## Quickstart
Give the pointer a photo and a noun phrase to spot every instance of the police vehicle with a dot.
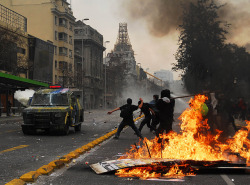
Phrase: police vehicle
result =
(53, 110)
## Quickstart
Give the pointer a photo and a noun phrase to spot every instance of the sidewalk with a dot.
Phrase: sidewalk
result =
(14, 117)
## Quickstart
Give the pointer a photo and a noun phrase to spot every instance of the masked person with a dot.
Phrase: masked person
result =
(127, 115)
(165, 105)
(145, 109)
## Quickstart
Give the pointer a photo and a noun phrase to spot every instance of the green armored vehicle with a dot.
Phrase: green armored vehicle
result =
(53, 110)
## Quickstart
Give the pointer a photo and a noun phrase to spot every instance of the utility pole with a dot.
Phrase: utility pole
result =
(86, 19)
(105, 75)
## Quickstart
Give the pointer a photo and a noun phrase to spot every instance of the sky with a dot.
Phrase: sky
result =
(154, 50)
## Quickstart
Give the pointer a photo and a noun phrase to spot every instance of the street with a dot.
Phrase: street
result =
(34, 151)
(21, 153)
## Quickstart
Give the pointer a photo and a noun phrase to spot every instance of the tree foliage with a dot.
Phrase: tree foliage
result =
(206, 61)
(200, 43)
(11, 58)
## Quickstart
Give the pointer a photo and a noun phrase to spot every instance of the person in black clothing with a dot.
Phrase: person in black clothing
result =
(155, 116)
(128, 120)
(8, 108)
(165, 105)
(145, 109)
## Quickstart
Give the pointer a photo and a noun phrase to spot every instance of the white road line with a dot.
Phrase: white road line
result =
(227, 180)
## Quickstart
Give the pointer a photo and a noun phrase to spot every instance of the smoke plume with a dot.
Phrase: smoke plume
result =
(23, 96)
(164, 16)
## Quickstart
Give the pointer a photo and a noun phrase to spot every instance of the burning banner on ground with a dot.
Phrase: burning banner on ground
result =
(176, 155)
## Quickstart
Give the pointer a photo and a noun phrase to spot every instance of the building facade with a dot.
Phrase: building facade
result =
(122, 71)
(52, 21)
(14, 42)
(88, 46)
(40, 60)
(165, 75)
(14, 59)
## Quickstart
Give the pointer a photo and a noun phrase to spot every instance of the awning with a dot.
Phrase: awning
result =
(8, 81)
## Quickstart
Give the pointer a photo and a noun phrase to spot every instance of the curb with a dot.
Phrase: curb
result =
(16, 182)
(45, 170)
(56, 164)
(30, 176)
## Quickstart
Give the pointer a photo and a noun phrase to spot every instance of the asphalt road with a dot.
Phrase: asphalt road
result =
(80, 172)
(38, 150)
(21, 153)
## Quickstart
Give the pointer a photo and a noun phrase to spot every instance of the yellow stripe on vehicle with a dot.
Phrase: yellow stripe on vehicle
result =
(66, 117)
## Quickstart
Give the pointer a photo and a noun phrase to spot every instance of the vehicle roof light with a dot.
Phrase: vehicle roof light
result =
(55, 87)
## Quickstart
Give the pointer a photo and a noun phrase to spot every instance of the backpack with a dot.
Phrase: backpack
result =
(125, 113)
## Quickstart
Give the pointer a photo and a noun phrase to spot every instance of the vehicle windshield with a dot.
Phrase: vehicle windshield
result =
(59, 99)
(49, 100)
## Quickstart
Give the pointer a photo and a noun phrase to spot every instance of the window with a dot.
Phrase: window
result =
(70, 53)
(61, 65)
(63, 36)
(70, 26)
(63, 22)
(70, 40)
(55, 20)
(55, 64)
(76, 31)
(77, 51)
(55, 35)
(55, 48)
(65, 66)
(63, 51)
(55, 79)
(70, 67)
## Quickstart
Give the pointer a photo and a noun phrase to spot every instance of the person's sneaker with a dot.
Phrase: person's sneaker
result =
(115, 137)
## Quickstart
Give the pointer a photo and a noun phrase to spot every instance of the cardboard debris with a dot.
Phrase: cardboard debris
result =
(113, 165)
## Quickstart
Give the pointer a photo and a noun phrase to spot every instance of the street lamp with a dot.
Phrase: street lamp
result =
(105, 75)
(86, 19)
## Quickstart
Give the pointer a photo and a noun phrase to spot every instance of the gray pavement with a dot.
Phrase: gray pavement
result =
(96, 124)
(80, 172)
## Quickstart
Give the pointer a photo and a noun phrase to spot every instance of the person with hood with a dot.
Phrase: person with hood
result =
(127, 115)
(165, 105)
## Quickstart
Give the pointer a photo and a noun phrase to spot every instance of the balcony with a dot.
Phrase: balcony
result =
(13, 18)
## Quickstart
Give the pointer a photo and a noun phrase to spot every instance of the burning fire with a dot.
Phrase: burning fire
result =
(194, 142)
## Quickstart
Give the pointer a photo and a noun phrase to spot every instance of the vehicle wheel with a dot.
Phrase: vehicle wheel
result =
(78, 127)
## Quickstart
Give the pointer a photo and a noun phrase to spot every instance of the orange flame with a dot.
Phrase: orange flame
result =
(149, 172)
(194, 142)
(240, 143)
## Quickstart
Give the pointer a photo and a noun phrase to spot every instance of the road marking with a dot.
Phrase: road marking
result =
(9, 131)
(14, 148)
(227, 180)
(103, 141)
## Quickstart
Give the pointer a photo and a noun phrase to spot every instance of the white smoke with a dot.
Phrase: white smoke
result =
(177, 88)
(23, 96)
